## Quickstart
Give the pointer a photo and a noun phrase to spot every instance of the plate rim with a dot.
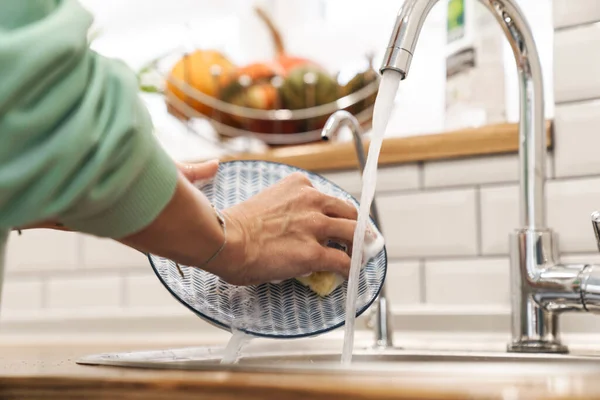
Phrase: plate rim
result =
(226, 327)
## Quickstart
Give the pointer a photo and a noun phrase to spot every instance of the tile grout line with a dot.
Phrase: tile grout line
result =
(552, 177)
(545, 201)
(587, 24)
(491, 185)
(578, 101)
(478, 221)
(91, 273)
(422, 283)
(44, 292)
(553, 161)
(80, 252)
(124, 290)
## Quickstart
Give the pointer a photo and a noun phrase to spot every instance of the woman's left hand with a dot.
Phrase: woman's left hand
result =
(194, 172)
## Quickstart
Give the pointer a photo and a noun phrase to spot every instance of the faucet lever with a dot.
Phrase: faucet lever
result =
(596, 227)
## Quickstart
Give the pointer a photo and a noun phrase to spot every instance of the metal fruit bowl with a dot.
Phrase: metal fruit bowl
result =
(278, 126)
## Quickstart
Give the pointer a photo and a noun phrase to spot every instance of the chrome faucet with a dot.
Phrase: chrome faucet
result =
(339, 119)
(541, 287)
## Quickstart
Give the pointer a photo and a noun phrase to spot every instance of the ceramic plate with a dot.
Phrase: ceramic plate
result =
(284, 310)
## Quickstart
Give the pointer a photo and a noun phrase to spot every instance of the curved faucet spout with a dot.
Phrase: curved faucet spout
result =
(532, 137)
(331, 130)
(338, 120)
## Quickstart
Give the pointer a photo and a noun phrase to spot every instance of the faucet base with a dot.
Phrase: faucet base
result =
(535, 346)
(534, 323)
(383, 318)
(380, 346)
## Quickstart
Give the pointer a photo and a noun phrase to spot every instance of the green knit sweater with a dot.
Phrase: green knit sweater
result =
(76, 142)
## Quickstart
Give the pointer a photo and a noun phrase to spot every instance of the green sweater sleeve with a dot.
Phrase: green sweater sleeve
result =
(76, 142)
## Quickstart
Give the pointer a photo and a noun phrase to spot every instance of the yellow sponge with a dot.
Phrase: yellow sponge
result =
(322, 283)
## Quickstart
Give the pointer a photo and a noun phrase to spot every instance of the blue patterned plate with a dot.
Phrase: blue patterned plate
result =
(284, 310)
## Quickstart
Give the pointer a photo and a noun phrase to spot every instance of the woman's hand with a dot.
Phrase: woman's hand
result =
(279, 234)
(195, 172)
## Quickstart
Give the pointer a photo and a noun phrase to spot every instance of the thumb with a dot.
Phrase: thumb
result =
(199, 171)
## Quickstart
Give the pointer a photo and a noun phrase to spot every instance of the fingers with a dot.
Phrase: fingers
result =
(337, 228)
(199, 171)
(334, 260)
(299, 177)
(328, 205)
(338, 208)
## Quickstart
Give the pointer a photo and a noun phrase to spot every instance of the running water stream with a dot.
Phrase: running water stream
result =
(234, 347)
(381, 114)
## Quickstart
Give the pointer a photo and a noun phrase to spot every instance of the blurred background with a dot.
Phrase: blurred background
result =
(446, 221)
(341, 35)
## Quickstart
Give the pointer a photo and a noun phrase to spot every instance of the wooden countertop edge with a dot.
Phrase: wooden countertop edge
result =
(485, 140)
(173, 385)
(217, 388)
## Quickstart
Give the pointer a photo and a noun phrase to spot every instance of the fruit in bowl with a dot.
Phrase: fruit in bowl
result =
(244, 96)
(196, 70)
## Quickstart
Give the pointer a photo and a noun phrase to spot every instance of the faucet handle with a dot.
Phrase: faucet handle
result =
(596, 227)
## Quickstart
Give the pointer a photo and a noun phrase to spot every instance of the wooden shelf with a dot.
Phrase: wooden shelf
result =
(486, 140)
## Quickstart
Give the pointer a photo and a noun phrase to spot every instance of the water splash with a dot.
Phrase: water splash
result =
(244, 313)
(381, 114)
(234, 347)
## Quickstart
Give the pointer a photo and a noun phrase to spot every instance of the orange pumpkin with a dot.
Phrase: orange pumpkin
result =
(196, 70)
(258, 71)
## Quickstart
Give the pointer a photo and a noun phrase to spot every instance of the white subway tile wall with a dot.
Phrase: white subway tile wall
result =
(476, 171)
(467, 282)
(569, 12)
(22, 294)
(576, 63)
(404, 286)
(576, 124)
(144, 290)
(42, 250)
(84, 292)
(446, 223)
(404, 177)
(430, 223)
(570, 203)
(102, 253)
(499, 217)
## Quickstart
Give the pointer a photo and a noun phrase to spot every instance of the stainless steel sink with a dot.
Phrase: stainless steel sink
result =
(319, 356)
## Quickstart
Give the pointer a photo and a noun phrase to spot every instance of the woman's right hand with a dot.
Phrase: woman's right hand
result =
(276, 235)
(279, 234)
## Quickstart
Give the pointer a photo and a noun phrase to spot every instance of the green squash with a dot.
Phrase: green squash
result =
(308, 86)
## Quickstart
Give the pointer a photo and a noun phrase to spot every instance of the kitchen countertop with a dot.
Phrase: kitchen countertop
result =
(50, 372)
(330, 156)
